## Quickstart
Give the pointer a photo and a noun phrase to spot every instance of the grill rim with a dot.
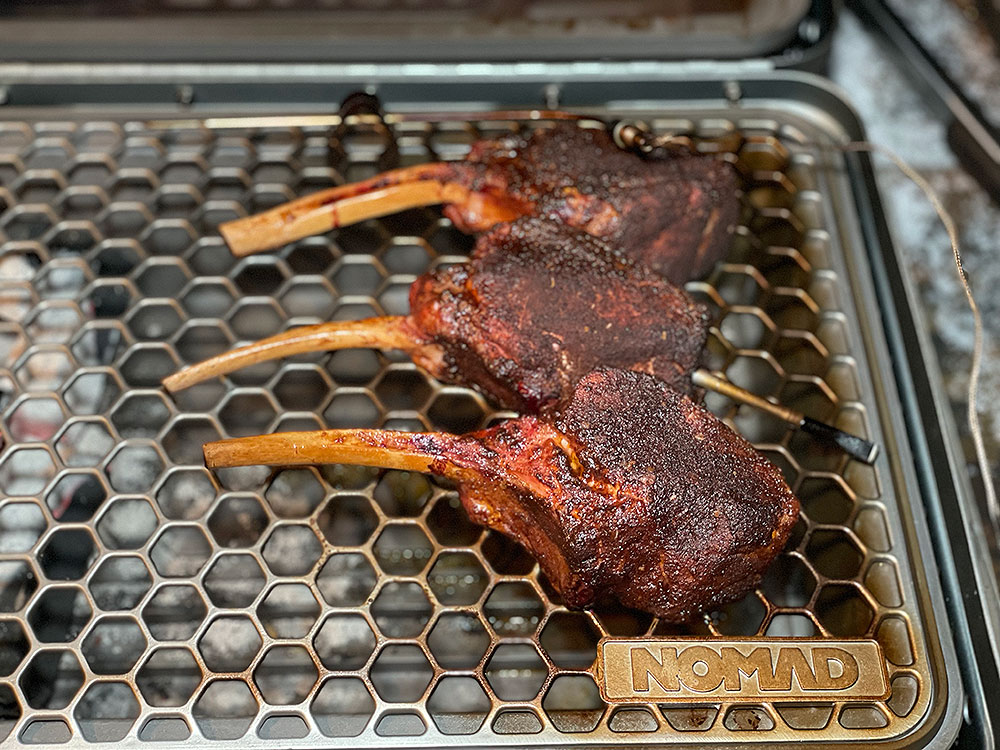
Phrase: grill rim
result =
(812, 94)
(882, 381)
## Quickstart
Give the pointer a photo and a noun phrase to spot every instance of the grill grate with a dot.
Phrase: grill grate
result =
(143, 597)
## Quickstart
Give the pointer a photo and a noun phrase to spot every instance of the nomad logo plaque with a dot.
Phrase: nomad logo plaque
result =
(753, 669)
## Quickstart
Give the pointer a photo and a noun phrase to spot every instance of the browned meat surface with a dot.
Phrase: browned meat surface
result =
(673, 214)
(538, 306)
(630, 490)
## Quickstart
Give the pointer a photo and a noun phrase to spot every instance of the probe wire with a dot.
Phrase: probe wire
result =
(972, 409)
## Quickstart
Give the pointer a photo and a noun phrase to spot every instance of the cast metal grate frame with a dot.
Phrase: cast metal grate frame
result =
(144, 598)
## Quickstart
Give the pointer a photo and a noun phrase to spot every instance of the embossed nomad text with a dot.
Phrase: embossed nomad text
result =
(773, 669)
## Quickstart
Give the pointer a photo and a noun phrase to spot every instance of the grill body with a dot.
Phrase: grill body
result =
(143, 598)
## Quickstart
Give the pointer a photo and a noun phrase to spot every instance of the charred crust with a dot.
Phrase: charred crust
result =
(540, 304)
(635, 492)
(675, 215)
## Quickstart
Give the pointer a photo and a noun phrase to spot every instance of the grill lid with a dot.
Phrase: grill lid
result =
(788, 33)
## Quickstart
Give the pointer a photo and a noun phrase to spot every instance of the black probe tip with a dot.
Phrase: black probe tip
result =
(854, 446)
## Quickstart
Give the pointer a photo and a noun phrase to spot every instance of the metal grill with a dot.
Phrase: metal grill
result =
(145, 598)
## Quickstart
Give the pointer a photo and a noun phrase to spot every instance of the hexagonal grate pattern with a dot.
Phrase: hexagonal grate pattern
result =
(304, 604)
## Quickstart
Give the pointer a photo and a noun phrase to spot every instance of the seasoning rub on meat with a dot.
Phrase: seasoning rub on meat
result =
(628, 490)
(538, 306)
(674, 214)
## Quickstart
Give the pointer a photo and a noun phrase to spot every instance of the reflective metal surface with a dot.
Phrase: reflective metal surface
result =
(145, 598)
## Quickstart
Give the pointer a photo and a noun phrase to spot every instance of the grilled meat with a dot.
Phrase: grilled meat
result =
(629, 489)
(674, 215)
(538, 306)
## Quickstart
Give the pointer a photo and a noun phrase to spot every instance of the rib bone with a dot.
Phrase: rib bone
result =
(382, 448)
(389, 193)
(395, 332)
